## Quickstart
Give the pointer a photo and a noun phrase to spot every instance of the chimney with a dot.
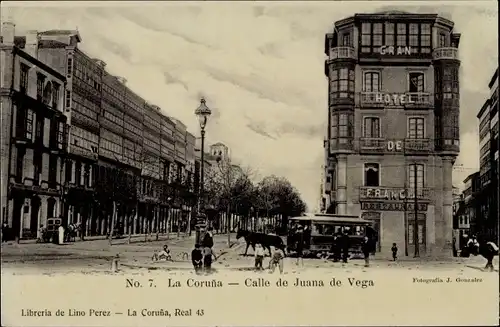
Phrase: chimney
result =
(8, 31)
(31, 46)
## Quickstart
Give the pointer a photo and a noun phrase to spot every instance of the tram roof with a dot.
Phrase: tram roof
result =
(332, 218)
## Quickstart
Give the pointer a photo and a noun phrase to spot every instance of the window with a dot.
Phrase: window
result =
(29, 124)
(335, 126)
(343, 125)
(47, 94)
(69, 171)
(342, 83)
(39, 86)
(70, 66)
(377, 36)
(55, 95)
(416, 128)
(416, 80)
(372, 174)
(425, 38)
(411, 232)
(366, 38)
(52, 171)
(24, 78)
(371, 127)
(68, 99)
(86, 175)
(37, 167)
(416, 175)
(413, 37)
(40, 120)
(401, 35)
(346, 40)
(371, 82)
(442, 40)
(389, 34)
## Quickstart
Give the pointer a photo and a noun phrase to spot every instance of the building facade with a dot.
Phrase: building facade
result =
(34, 137)
(123, 155)
(486, 221)
(393, 126)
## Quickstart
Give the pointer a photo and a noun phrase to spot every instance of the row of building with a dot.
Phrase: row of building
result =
(393, 126)
(76, 140)
(476, 208)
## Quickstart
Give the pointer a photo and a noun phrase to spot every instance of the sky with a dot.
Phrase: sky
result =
(260, 67)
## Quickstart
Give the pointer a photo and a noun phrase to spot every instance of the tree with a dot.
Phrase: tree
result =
(276, 195)
(228, 186)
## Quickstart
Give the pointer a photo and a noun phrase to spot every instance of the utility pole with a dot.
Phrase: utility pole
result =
(415, 227)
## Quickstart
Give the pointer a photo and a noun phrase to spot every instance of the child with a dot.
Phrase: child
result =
(207, 258)
(394, 250)
(277, 260)
(197, 258)
(259, 256)
(163, 254)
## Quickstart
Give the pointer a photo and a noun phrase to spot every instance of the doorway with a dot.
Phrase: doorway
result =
(421, 231)
(375, 218)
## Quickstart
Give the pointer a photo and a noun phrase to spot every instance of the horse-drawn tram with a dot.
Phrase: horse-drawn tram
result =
(319, 232)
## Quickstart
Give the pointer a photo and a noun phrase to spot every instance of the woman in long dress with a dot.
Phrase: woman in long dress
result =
(61, 234)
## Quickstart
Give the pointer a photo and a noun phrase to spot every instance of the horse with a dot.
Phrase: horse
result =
(266, 240)
(488, 250)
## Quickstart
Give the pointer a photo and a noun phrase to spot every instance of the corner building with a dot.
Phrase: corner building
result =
(394, 126)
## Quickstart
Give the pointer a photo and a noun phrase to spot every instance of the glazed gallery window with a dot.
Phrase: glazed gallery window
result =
(415, 35)
(342, 83)
(39, 85)
(416, 128)
(346, 39)
(341, 126)
(450, 83)
(371, 127)
(372, 174)
(416, 175)
(416, 82)
(371, 82)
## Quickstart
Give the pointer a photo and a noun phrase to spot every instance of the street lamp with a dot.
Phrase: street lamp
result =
(203, 112)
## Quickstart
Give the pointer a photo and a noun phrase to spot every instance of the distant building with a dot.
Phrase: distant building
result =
(393, 125)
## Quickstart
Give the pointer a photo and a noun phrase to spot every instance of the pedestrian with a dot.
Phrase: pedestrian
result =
(60, 230)
(345, 242)
(164, 254)
(277, 260)
(259, 256)
(208, 255)
(208, 240)
(197, 258)
(394, 250)
(365, 247)
(300, 245)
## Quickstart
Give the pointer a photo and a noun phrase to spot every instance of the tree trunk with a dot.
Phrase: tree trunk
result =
(157, 222)
(228, 225)
(178, 225)
(134, 223)
(113, 218)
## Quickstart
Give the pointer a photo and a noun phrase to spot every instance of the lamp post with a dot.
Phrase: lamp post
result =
(203, 112)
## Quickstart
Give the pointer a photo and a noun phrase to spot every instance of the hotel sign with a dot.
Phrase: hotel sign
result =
(387, 194)
(395, 146)
(397, 206)
(395, 51)
(395, 99)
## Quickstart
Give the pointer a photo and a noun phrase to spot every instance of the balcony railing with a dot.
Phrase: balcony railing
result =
(418, 145)
(407, 99)
(370, 144)
(382, 193)
(342, 53)
(445, 53)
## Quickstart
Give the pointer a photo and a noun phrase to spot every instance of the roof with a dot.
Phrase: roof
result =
(493, 79)
(63, 32)
(333, 218)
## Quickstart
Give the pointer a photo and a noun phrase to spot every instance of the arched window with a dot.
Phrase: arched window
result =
(372, 174)
(47, 93)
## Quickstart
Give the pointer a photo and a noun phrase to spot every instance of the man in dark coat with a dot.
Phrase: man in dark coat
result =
(345, 242)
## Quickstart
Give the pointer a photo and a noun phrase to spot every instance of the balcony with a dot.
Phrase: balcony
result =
(30, 185)
(342, 53)
(382, 193)
(341, 145)
(386, 100)
(418, 146)
(445, 53)
(372, 145)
